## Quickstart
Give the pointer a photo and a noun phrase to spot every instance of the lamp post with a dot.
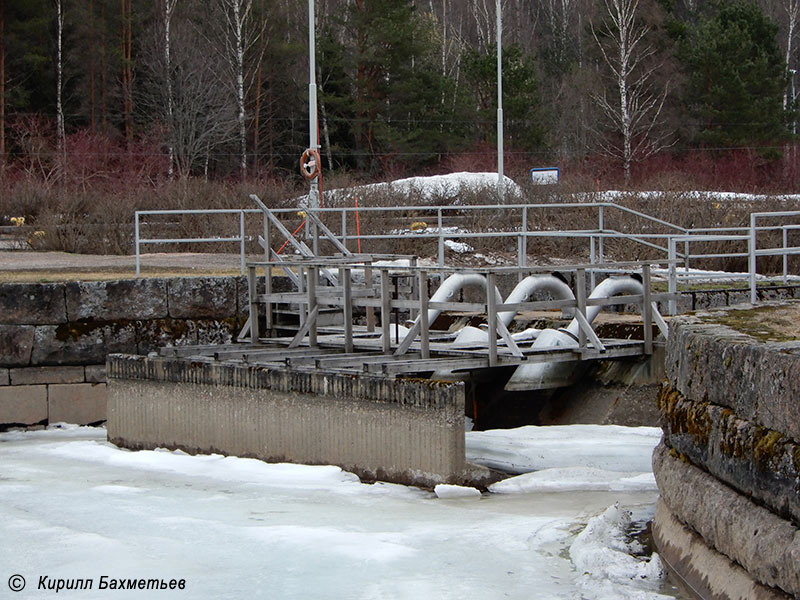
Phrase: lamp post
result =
(313, 130)
(500, 176)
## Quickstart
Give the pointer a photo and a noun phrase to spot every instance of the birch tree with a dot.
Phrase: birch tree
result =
(237, 14)
(60, 75)
(633, 108)
(166, 16)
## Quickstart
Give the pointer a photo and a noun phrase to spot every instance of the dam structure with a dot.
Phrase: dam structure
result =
(341, 361)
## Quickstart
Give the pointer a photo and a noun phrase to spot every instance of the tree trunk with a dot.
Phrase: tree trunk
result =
(169, 8)
(59, 75)
(103, 104)
(127, 68)
(2, 84)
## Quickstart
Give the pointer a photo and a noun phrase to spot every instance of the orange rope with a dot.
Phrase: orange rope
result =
(294, 234)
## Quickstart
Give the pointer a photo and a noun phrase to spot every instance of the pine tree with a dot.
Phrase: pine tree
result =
(736, 77)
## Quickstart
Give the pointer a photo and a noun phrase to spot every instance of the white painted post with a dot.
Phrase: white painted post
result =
(500, 175)
(751, 261)
(136, 242)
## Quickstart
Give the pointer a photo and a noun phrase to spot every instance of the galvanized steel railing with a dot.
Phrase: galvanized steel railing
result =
(676, 244)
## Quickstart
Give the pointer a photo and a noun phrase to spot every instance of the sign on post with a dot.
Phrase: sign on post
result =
(545, 175)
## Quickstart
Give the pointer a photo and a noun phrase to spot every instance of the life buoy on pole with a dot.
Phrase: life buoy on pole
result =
(310, 163)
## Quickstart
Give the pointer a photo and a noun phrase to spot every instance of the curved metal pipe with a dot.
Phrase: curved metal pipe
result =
(451, 286)
(539, 376)
(535, 283)
(612, 286)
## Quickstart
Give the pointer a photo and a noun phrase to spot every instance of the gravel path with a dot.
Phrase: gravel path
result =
(34, 266)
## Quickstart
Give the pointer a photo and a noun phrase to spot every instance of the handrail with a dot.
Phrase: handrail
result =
(240, 238)
(516, 227)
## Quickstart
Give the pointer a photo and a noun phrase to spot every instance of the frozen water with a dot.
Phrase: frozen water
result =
(606, 447)
(75, 506)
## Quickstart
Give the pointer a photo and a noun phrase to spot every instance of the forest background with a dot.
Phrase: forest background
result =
(111, 105)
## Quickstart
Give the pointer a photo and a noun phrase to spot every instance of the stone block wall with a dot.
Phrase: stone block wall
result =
(728, 469)
(406, 431)
(55, 337)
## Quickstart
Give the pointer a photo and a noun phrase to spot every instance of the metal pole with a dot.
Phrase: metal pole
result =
(136, 241)
(241, 239)
(673, 278)
(491, 316)
(785, 256)
(441, 236)
(500, 176)
(312, 99)
(313, 192)
(425, 351)
(751, 260)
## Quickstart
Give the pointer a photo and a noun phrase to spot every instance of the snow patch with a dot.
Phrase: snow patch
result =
(604, 557)
(444, 490)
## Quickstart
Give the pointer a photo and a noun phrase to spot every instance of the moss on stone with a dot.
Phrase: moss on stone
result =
(768, 447)
(761, 323)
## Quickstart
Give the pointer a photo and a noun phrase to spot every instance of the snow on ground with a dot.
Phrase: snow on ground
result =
(75, 506)
(614, 195)
(431, 189)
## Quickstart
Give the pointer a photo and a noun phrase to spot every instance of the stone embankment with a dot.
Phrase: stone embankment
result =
(54, 337)
(728, 469)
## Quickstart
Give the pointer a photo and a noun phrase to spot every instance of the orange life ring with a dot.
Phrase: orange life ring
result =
(310, 163)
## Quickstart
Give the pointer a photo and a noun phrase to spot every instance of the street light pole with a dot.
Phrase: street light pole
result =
(500, 176)
(313, 129)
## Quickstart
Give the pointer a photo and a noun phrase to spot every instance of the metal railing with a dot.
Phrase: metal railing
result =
(238, 236)
(375, 293)
(681, 248)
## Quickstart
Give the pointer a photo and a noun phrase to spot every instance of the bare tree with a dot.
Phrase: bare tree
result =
(126, 51)
(203, 117)
(166, 16)
(634, 108)
(237, 14)
(59, 75)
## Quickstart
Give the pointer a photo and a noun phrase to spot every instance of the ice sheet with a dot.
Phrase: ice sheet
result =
(75, 506)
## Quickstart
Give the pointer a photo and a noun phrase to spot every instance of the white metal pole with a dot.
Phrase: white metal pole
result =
(312, 101)
(500, 176)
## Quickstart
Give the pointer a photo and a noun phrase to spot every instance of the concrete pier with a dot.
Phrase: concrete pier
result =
(399, 430)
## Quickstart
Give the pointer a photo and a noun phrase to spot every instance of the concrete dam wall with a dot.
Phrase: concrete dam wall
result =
(728, 469)
(401, 430)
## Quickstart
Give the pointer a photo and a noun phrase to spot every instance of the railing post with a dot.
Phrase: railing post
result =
(751, 261)
(580, 297)
(673, 277)
(441, 237)
(345, 278)
(647, 311)
(601, 225)
(370, 310)
(686, 263)
(785, 256)
(344, 227)
(241, 239)
(522, 261)
(491, 317)
(592, 259)
(136, 242)
(386, 341)
(255, 333)
(423, 316)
